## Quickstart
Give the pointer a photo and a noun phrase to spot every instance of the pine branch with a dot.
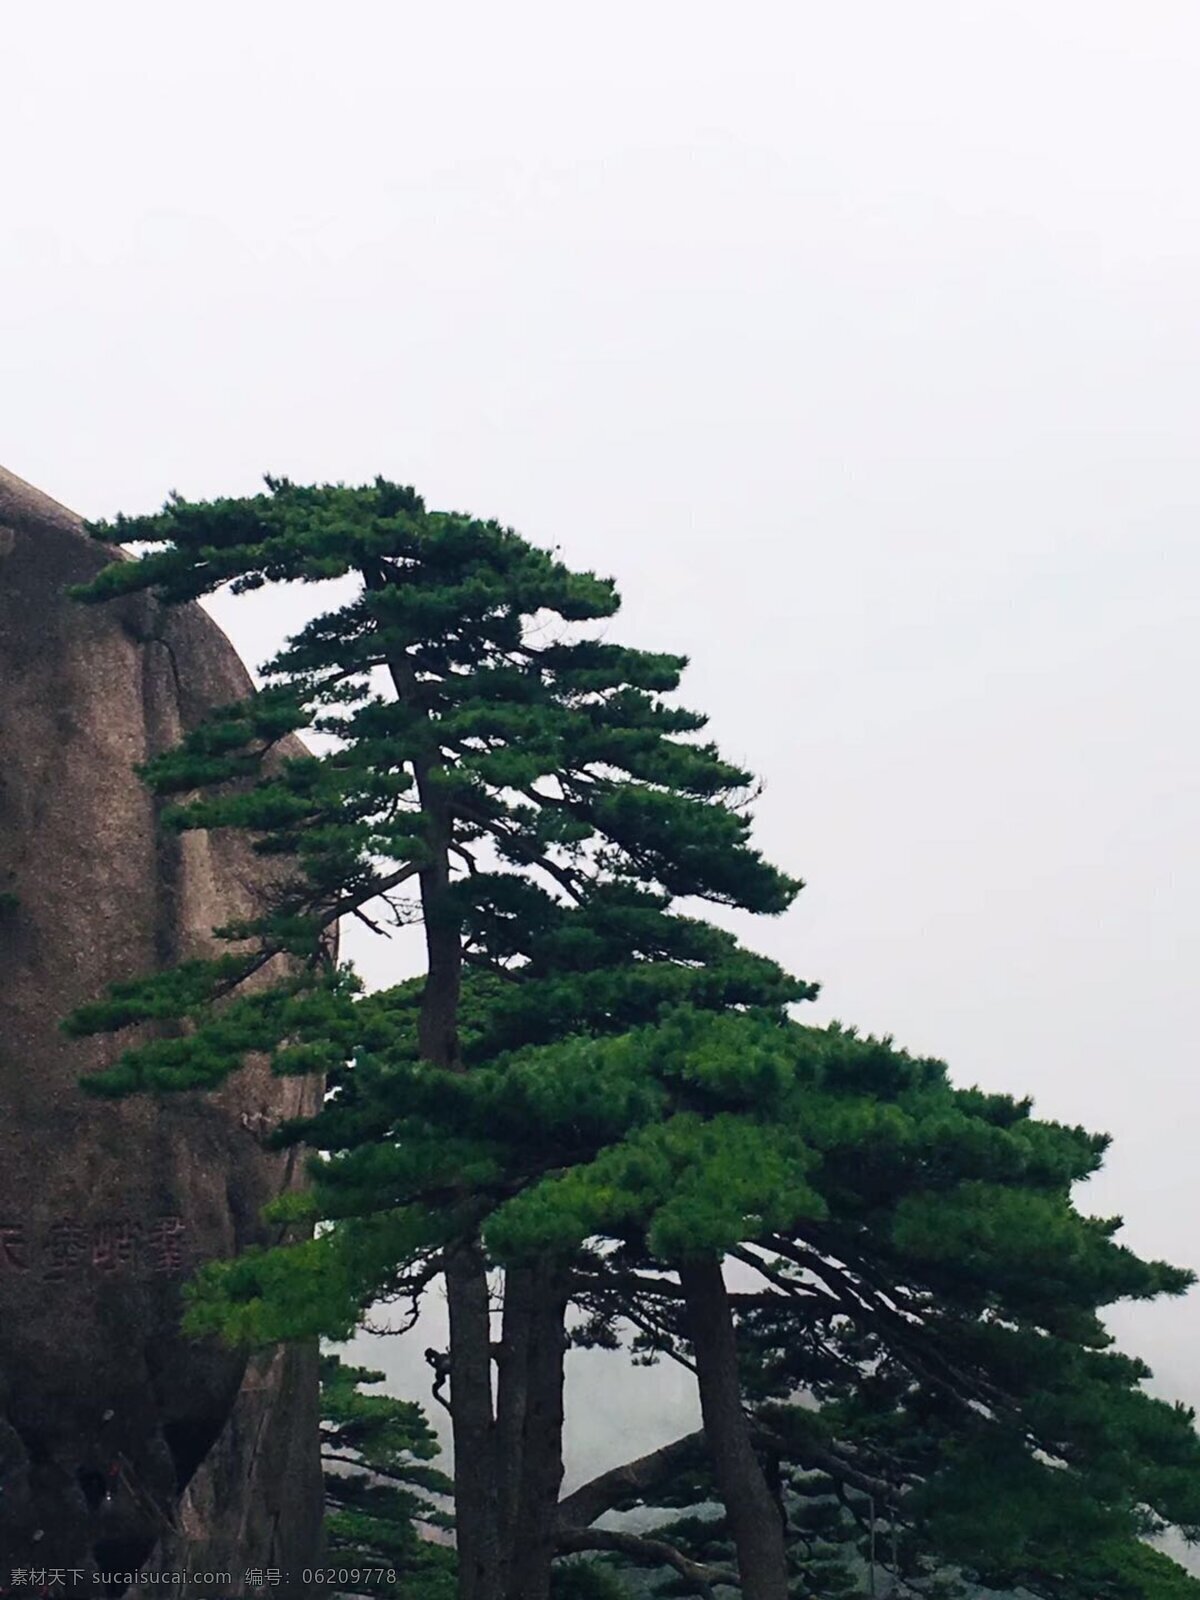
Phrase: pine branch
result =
(786, 1287)
(835, 1465)
(633, 1478)
(906, 1336)
(647, 1552)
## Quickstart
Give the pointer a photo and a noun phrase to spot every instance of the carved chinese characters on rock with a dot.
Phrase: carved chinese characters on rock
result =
(165, 1244)
(110, 1247)
(64, 1251)
(13, 1251)
(115, 1245)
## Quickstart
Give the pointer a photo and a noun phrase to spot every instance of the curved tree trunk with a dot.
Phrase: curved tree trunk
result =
(754, 1520)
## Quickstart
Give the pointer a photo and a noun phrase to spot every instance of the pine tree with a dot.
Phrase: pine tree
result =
(551, 809)
(922, 1360)
(381, 1493)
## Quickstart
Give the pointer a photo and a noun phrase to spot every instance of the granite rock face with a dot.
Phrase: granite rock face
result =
(122, 1444)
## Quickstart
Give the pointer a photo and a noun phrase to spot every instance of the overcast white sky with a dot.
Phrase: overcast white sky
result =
(859, 342)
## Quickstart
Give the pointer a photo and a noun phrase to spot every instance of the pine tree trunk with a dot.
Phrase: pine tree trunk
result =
(476, 1479)
(507, 1462)
(512, 1393)
(476, 1509)
(476, 1490)
(750, 1508)
(541, 1314)
(476, 1494)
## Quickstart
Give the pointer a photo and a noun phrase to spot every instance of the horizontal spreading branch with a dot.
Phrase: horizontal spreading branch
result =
(633, 1478)
(649, 1552)
(912, 1341)
(373, 1470)
(330, 915)
(533, 857)
(830, 1461)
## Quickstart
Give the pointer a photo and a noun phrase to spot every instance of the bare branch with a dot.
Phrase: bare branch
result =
(370, 922)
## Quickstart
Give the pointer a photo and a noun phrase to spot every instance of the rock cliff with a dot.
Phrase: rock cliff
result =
(121, 1443)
